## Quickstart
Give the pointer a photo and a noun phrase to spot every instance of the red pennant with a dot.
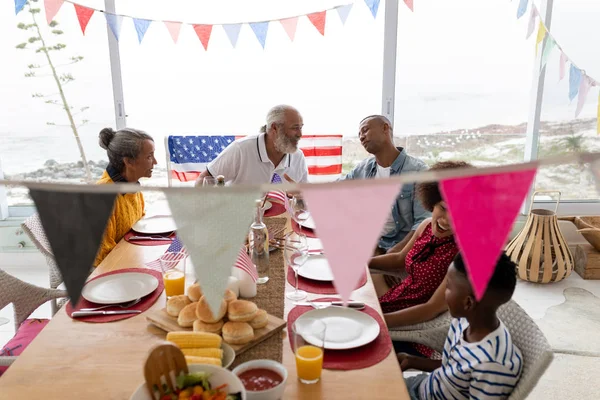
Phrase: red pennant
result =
(318, 20)
(483, 209)
(203, 32)
(409, 4)
(83, 15)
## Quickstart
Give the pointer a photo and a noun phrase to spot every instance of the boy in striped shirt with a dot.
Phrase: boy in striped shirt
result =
(479, 360)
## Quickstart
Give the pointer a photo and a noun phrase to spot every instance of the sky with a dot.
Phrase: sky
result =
(460, 63)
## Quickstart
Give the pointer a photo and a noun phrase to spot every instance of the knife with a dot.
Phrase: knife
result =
(76, 314)
(150, 238)
(351, 304)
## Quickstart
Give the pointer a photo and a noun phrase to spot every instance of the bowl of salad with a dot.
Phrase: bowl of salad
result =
(203, 382)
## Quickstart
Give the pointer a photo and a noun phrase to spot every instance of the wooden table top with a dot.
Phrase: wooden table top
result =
(71, 359)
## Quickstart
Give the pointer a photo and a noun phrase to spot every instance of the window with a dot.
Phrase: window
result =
(575, 28)
(36, 140)
(463, 79)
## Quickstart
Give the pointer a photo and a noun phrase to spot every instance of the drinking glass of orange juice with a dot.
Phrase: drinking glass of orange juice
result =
(173, 269)
(308, 340)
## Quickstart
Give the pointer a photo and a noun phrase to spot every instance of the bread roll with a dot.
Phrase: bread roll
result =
(260, 320)
(187, 316)
(200, 326)
(176, 303)
(237, 332)
(230, 296)
(241, 311)
(194, 292)
(204, 313)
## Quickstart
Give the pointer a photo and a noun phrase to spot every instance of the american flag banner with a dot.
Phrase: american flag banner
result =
(189, 155)
(277, 195)
(244, 262)
(323, 155)
(174, 253)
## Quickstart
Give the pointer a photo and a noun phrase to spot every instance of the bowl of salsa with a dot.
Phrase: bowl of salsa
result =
(262, 379)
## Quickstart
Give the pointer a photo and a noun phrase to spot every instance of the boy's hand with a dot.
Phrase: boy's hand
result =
(406, 361)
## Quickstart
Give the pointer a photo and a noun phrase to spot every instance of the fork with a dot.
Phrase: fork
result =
(124, 305)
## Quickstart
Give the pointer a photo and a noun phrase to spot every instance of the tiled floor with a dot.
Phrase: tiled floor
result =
(565, 379)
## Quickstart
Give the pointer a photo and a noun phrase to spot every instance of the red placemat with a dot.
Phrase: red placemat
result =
(143, 305)
(275, 210)
(308, 232)
(361, 357)
(132, 233)
(318, 287)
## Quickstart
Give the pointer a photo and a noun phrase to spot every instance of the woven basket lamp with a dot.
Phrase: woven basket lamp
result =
(540, 250)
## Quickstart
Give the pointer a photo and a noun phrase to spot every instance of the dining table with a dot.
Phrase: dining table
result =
(72, 359)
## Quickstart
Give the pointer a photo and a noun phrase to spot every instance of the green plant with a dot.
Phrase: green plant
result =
(573, 143)
(49, 50)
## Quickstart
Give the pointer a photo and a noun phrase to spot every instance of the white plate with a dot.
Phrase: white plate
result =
(155, 225)
(308, 223)
(119, 288)
(218, 376)
(314, 243)
(316, 268)
(228, 355)
(346, 328)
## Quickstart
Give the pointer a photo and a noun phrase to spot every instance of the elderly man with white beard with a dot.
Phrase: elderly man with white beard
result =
(271, 155)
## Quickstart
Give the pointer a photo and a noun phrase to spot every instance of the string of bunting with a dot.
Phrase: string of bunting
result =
(204, 30)
(580, 82)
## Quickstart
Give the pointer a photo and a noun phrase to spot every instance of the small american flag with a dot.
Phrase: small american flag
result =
(244, 263)
(277, 195)
(174, 253)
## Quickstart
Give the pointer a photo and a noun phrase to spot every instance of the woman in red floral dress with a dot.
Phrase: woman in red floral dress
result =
(419, 297)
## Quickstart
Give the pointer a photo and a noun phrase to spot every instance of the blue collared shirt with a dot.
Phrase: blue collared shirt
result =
(407, 211)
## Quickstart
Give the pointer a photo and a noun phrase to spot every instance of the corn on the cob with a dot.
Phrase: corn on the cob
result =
(203, 360)
(213, 353)
(190, 340)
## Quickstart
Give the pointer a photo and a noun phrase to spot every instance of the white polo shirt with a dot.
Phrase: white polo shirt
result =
(245, 161)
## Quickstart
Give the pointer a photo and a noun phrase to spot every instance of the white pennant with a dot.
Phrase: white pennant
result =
(532, 17)
(213, 224)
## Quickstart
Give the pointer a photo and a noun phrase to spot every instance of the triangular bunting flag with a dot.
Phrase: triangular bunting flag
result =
(598, 117)
(19, 4)
(141, 26)
(174, 28)
(260, 30)
(114, 23)
(548, 47)
(409, 4)
(74, 224)
(491, 201)
(203, 32)
(83, 16)
(52, 7)
(584, 88)
(336, 218)
(318, 20)
(213, 224)
(289, 25)
(532, 17)
(574, 81)
(373, 6)
(562, 66)
(522, 8)
(344, 11)
(233, 32)
(540, 36)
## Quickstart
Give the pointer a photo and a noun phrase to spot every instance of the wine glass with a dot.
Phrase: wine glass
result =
(209, 181)
(298, 210)
(295, 253)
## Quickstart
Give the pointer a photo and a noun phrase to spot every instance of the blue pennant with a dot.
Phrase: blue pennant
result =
(373, 6)
(114, 23)
(19, 4)
(522, 8)
(260, 30)
(574, 82)
(141, 26)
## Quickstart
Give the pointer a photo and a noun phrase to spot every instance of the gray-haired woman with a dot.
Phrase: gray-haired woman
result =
(130, 157)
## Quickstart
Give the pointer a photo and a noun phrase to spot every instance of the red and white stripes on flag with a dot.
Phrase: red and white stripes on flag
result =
(167, 260)
(244, 263)
(323, 156)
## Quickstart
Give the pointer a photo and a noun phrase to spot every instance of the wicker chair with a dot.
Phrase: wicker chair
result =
(25, 298)
(34, 229)
(537, 353)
